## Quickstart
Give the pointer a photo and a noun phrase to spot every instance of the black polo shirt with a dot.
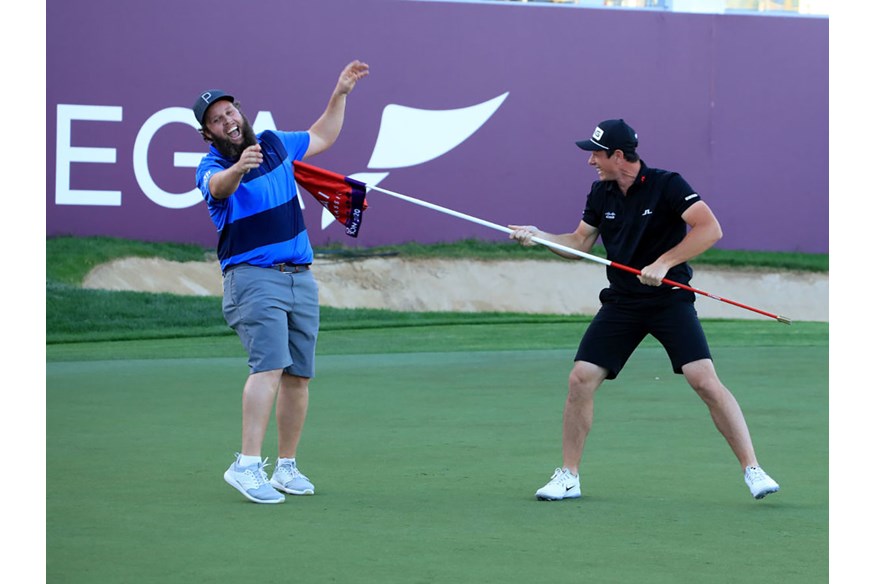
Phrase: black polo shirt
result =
(640, 226)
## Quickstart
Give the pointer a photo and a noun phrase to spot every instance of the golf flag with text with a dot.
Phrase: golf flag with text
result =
(342, 196)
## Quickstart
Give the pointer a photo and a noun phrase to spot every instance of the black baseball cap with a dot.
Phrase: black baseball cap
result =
(206, 99)
(611, 135)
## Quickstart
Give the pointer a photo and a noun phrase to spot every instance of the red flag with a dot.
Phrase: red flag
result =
(342, 196)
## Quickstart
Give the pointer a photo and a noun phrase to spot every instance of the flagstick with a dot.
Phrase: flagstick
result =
(571, 251)
(491, 225)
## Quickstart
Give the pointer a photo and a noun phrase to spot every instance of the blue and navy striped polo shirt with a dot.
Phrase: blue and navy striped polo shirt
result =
(261, 223)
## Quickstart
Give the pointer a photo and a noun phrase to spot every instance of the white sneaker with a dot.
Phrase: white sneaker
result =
(289, 479)
(563, 485)
(252, 482)
(759, 483)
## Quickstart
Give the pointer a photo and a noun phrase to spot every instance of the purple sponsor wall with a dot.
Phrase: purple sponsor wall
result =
(737, 104)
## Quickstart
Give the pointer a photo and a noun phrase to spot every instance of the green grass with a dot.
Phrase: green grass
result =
(443, 332)
(425, 465)
(426, 437)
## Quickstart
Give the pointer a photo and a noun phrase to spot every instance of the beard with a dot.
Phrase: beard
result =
(229, 149)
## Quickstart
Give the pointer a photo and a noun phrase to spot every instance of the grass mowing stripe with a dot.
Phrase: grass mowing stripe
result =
(453, 333)
(425, 465)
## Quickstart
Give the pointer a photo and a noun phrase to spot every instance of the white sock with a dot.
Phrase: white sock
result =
(286, 461)
(244, 460)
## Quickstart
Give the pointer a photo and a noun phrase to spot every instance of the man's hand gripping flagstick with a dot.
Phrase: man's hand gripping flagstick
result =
(340, 195)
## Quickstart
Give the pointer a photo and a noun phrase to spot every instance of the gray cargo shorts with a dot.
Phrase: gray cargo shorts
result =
(276, 316)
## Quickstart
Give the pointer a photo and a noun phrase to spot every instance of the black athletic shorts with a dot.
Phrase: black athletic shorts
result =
(621, 324)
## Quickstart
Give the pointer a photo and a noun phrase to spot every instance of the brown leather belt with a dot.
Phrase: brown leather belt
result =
(291, 268)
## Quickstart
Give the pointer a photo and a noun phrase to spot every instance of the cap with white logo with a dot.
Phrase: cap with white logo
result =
(205, 100)
(611, 135)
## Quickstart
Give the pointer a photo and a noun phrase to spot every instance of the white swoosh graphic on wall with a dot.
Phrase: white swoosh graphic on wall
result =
(410, 136)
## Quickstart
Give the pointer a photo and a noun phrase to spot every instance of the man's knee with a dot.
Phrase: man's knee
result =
(294, 382)
(704, 380)
(585, 378)
(261, 379)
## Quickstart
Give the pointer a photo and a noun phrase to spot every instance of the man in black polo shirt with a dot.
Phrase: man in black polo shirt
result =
(651, 220)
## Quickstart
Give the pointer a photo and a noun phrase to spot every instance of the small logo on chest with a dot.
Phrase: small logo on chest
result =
(609, 215)
(647, 212)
